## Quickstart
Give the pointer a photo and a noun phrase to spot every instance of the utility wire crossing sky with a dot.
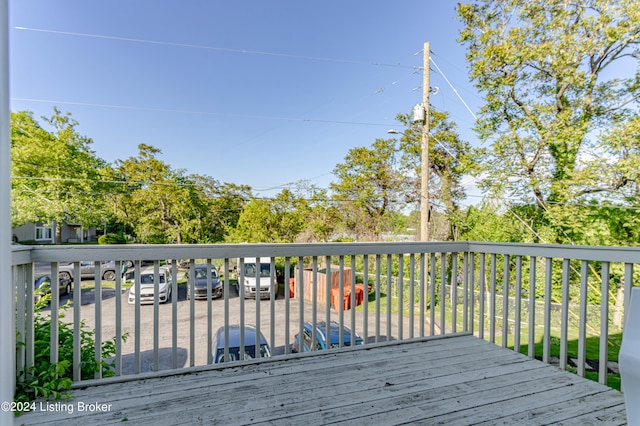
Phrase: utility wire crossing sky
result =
(258, 94)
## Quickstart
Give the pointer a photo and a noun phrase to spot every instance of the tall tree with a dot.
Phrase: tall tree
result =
(321, 216)
(56, 177)
(221, 207)
(449, 159)
(370, 188)
(158, 202)
(554, 74)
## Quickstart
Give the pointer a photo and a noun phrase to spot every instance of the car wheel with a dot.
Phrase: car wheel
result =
(65, 275)
(109, 276)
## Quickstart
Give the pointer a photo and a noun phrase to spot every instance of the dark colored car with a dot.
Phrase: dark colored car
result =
(88, 270)
(200, 283)
(321, 340)
(42, 286)
(234, 345)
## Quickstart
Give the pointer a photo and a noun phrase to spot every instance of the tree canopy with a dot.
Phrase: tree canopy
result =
(560, 79)
(163, 205)
(56, 177)
(369, 188)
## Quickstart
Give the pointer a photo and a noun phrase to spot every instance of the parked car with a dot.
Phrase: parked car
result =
(200, 283)
(321, 340)
(42, 286)
(148, 285)
(234, 345)
(88, 270)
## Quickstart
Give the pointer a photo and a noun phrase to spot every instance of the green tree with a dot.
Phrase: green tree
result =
(156, 201)
(321, 217)
(554, 74)
(277, 220)
(449, 159)
(220, 208)
(56, 177)
(370, 188)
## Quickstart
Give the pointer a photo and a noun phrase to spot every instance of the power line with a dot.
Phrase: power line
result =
(214, 48)
(182, 111)
(453, 88)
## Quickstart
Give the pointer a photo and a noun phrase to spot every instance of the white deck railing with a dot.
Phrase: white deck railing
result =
(415, 289)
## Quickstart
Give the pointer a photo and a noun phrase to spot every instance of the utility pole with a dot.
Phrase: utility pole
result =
(425, 234)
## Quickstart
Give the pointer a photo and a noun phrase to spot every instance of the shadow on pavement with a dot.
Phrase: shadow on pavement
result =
(147, 360)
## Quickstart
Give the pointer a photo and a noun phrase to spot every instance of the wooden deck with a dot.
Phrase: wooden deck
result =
(450, 380)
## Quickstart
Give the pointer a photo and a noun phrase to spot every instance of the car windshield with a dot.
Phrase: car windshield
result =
(250, 270)
(249, 353)
(148, 278)
(201, 273)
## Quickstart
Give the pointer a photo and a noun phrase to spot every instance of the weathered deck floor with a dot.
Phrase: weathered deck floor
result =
(452, 380)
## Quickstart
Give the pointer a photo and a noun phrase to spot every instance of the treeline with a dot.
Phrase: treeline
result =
(558, 159)
(57, 176)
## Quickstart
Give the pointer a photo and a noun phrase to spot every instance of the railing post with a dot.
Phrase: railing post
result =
(443, 292)
(465, 286)
(472, 288)
(287, 301)
(365, 321)
(532, 307)
(604, 324)
(492, 300)
(400, 296)
(564, 314)
(432, 294)
(7, 292)
(546, 343)
(454, 292)
(518, 307)
(77, 344)
(19, 282)
(506, 282)
(482, 295)
(378, 267)
(582, 320)
(314, 298)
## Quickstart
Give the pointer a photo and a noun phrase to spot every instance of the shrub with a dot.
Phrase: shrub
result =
(111, 239)
(47, 380)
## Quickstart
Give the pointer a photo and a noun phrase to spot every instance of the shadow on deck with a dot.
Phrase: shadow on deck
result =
(457, 379)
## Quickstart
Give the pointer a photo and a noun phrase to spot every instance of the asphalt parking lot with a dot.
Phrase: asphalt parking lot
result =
(199, 317)
(196, 313)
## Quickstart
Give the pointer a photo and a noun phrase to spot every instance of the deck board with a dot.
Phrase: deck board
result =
(452, 380)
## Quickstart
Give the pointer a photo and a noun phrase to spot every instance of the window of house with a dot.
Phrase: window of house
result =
(43, 233)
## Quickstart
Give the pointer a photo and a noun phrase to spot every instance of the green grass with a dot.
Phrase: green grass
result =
(91, 285)
(592, 343)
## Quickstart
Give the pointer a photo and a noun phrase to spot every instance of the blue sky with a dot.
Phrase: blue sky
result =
(263, 93)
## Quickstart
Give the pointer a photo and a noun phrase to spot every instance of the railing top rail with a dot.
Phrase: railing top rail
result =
(213, 251)
(560, 251)
(67, 253)
(21, 255)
